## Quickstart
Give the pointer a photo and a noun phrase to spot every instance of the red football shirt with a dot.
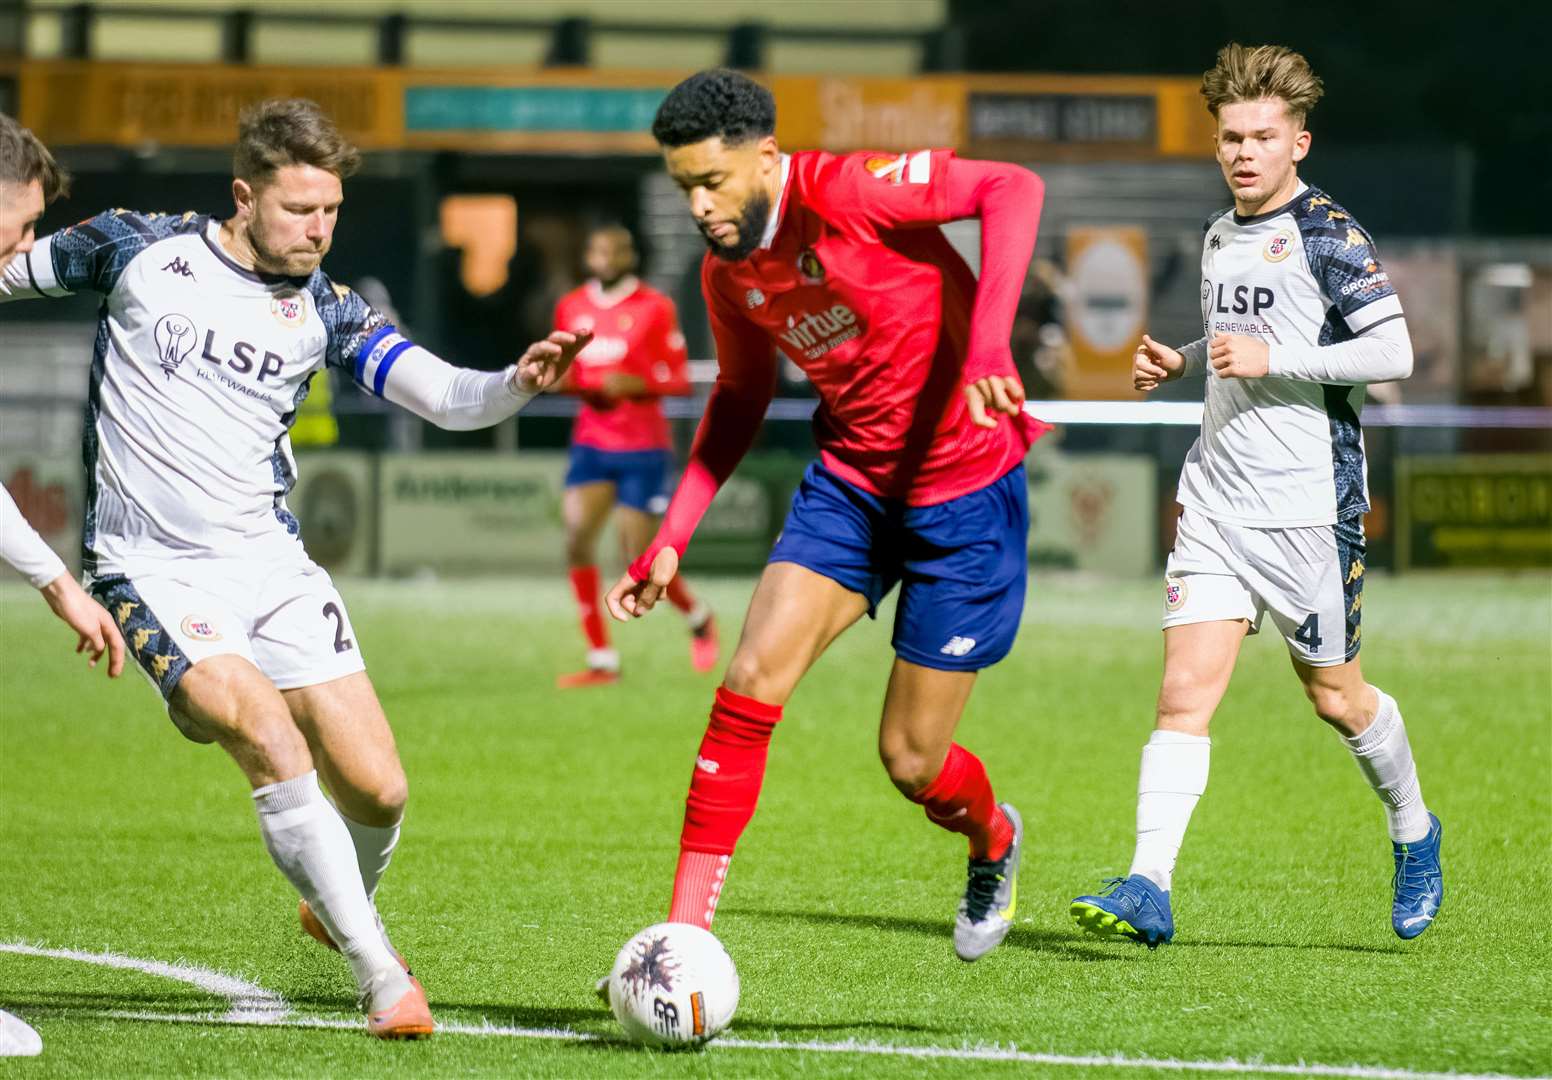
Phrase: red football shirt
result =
(860, 289)
(635, 331)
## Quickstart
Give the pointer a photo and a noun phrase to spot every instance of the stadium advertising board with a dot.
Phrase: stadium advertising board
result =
(336, 502)
(1474, 510)
(48, 492)
(1092, 511)
(582, 110)
(1107, 270)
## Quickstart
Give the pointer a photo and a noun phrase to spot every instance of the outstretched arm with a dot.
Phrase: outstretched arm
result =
(746, 382)
(461, 399)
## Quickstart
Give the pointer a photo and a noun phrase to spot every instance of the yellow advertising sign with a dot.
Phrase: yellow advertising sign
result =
(1107, 277)
(842, 114)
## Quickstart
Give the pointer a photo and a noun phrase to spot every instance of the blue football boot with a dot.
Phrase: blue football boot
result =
(1132, 907)
(1418, 884)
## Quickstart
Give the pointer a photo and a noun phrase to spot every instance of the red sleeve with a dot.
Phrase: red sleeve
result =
(932, 187)
(746, 382)
(665, 364)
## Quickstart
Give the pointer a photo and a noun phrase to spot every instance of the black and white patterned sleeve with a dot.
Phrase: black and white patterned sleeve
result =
(1346, 265)
(89, 256)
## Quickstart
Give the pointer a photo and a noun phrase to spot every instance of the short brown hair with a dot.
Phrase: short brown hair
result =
(289, 131)
(24, 158)
(1254, 73)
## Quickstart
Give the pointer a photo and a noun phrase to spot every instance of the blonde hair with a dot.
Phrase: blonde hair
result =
(1254, 73)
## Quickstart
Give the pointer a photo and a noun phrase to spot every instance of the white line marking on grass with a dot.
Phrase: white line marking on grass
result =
(254, 1006)
(878, 1049)
(248, 1003)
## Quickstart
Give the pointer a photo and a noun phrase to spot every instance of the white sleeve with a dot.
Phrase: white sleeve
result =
(454, 398)
(1382, 353)
(31, 274)
(23, 548)
(1195, 355)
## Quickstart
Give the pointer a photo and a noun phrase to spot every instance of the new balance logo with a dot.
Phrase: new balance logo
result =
(958, 646)
(181, 268)
(706, 765)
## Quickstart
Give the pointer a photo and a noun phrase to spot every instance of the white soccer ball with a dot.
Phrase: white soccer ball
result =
(673, 986)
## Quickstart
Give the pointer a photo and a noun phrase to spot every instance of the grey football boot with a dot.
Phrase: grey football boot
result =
(991, 898)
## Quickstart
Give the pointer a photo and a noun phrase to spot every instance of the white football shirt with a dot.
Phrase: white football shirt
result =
(1275, 451)
(197, 373)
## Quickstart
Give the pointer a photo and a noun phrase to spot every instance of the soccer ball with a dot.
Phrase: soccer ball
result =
(673, 986)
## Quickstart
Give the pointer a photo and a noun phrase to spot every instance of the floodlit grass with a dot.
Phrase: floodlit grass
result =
(542, 833)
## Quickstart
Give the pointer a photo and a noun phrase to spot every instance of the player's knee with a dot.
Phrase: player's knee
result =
(1181, 706)
(1333, 704)
(750, 676)
(382, 803)
(909, 769)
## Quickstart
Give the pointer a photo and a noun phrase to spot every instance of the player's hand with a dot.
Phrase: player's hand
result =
(89, 619)
(1153, 363)
(546, 362)
(995, 394)
(631, 599)
(1235, 356)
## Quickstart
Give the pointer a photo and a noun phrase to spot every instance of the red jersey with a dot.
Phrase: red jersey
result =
(636, 332)
(860, 289)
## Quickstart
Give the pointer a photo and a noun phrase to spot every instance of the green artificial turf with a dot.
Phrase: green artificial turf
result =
(542, 833)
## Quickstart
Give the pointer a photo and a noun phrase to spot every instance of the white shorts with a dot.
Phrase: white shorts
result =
(285, 617)
(1309, 578)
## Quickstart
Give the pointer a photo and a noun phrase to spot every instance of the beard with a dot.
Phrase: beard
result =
(284, 263)
(751, 223)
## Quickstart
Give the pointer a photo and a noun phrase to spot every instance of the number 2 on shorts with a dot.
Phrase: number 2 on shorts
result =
(344, 644)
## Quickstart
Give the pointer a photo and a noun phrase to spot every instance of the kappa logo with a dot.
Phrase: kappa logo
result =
(199, 629)
(1174, 594)
(753, 299)
(706, 765)
(958, 646)
(1215, 242)
(180, 268)
(175, 336)
(1354, 239)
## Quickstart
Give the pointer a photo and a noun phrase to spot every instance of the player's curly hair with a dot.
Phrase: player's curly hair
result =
(289, 131)
(715, 103)
(1253, 73)
(24, 158)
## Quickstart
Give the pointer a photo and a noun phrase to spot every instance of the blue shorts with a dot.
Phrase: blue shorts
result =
(962, 565)
(640, 477)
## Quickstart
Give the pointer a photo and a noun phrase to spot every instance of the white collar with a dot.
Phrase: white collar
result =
(608, 298)
(773, 222)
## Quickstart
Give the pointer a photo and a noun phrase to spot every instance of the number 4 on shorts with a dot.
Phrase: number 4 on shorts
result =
(1308, 634)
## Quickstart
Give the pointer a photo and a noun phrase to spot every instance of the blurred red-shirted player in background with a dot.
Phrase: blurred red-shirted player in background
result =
(621, 450)
(838, 261)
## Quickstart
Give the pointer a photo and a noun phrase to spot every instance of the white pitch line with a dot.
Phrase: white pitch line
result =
(878, 1049)
(252, 1005)
(248, 1002)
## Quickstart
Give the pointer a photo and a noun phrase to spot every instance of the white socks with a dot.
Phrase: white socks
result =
(374, 849)
(310, 844)
(1385, 758)
(1172, 779)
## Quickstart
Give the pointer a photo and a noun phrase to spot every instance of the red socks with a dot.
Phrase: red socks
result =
(584, 584)
(960, 800)
(729, 768)
(679, 594)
